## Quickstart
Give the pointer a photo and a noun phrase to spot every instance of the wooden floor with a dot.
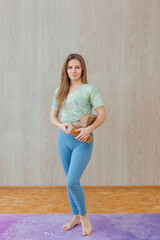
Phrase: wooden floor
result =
(99, 199)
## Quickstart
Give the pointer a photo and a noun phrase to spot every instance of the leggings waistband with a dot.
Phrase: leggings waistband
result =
(61, 131)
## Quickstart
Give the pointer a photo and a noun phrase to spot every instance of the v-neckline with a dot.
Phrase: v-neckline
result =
(76, 90)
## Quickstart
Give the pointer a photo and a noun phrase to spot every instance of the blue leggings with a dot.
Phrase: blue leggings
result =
(74, 156)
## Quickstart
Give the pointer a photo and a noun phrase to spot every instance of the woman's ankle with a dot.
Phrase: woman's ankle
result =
(76, 216)
(84, 216)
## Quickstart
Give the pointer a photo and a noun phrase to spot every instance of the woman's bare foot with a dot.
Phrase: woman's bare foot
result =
(86, 225)
(75, 221)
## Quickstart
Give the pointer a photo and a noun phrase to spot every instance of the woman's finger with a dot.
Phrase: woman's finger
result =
(82, 138)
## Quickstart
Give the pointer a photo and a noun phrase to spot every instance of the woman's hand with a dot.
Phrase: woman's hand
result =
(83, 135)
(64, 126)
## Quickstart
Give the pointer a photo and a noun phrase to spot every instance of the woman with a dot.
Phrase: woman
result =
(73, 98)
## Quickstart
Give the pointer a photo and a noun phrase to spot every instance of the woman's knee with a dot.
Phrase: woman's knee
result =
(71, 183)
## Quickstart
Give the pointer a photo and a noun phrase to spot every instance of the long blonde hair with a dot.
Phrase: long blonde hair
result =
(65, 80)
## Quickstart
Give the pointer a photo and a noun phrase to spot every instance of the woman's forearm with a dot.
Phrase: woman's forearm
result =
(55, 121)
(99, 120)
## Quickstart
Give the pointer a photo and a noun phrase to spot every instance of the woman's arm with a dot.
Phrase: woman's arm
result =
(54, 117)
(55, 120)
(85, 132)
(101, 117)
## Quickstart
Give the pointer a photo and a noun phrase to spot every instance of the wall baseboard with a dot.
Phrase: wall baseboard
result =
(85, 187)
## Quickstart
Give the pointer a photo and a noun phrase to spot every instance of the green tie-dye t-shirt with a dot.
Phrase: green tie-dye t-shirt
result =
(79, 102)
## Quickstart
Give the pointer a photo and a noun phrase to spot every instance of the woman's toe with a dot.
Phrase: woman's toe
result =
(84, 233)
(64, 226)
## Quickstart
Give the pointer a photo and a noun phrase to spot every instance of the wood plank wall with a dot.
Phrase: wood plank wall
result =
(120, 43)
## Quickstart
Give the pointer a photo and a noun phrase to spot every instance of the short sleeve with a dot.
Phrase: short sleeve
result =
(95, 98)
(54, 105)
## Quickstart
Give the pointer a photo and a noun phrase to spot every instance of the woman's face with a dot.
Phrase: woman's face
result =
(74, 69)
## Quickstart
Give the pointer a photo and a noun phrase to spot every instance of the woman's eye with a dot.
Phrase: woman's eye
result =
(71, 67)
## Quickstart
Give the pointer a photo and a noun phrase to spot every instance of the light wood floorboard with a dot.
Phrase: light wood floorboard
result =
(99, 199)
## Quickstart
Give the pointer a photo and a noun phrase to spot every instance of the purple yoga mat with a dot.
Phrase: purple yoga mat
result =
(105, 226)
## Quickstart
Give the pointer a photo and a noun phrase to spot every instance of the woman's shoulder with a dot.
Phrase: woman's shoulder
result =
(91, 87)
(57, 89)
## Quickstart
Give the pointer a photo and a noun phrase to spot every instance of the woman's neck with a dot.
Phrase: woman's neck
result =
(76, 84)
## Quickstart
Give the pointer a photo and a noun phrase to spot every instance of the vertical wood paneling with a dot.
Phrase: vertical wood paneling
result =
(11, 35)
(119, 41)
